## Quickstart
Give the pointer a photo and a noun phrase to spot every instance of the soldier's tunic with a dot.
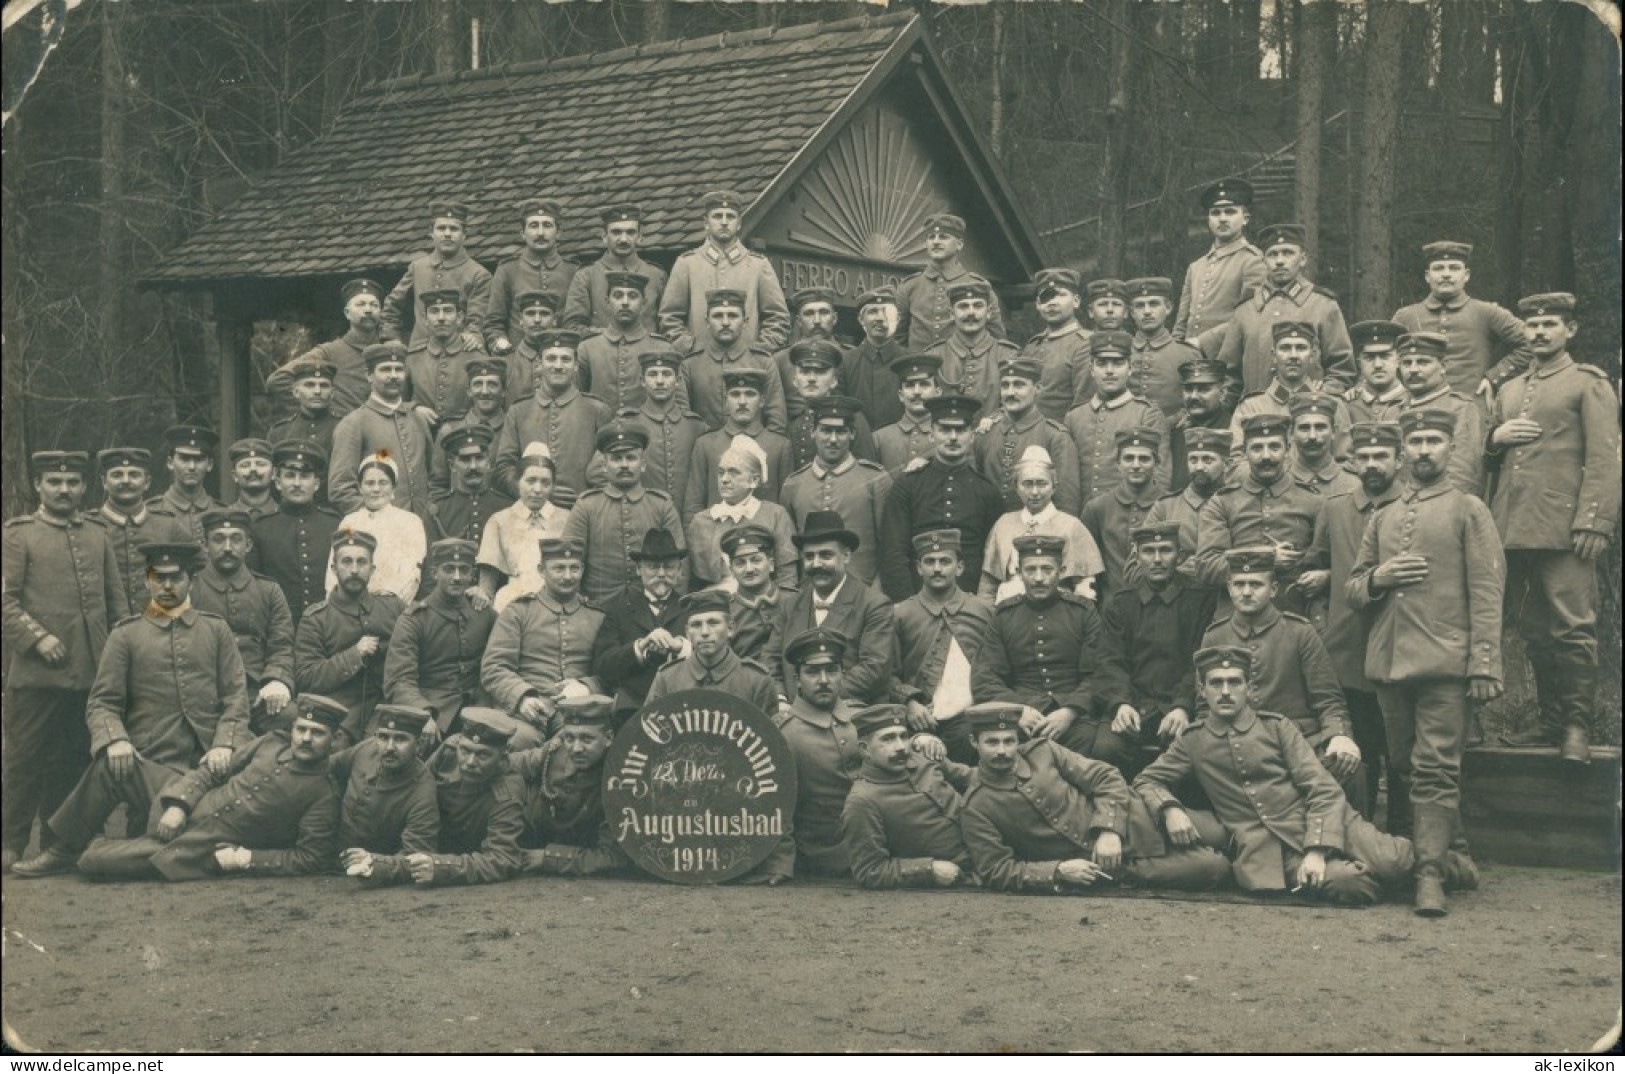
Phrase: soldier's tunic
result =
(400, 432)
(610, 369)
(283, 812)
(551, 275)
(1329, 480)
(1178, 448)
(1111, 517)
(702, 379)
(929, 670)
(1277, 802)
(867, 377)
(464, 515)
(897, 825)
(480, 826)
(756, 620)
(438, 375)
(973, 365)
(1215, 284)
(925, 316)
(568, 424)
(258, 615)
(1291, 673)
(1067, 379)
(706, 562)
(1465, 470)
(520, 383)
(563, 807)
(317, 428)
(586, 305)
(1336, 548)
(434, 658)
(1000, 448)
(385, 812)
(746, 679)
(700, 487)
(126, 534)
(431, 272)
(673, 436)
(611, 522)
(857, 611)
(1245, 513)
(1094, 426)
(1184, 508)
(184, 514)
(325, 659)
(292, 548)
(956, 496)
(1276, 399)
(536, 644)
(1364, 405)
(1154, 370)
(804, 449)
(350, 384)
(827, 756)
(255, 511)
(1249, 345)
(1483, 340)
(857, 489)
(492, 422)
(1148, 636)
(903, 441)
(709, 268)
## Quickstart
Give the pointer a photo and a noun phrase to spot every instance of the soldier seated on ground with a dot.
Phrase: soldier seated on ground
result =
(563, 796)
(389, 804)
(1291, 827)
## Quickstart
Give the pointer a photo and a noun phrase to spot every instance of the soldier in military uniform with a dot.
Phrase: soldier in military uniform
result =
(971, 354)
(1430, 575)
(1035, 483)
(168, 697)
(537, 313)
(743, 387)
(1042, 653)
(1038, 817)
(437, 364)
(722, 262)
(816, 366)
(292, 547)
(63, 590)
(725, 349)
(711, 663)
(909, 437)
(563, 794)
(1107, 305)
(126, 475)
(1555, 444)
(384, 425)
(487, 401)
(1320, 443)
(869, 371)
(837, 480)
(1094, 425)
(1260, 505)
(341, 642)
(190, 459)
(311, 382)
(481, 813)
(609, 358)
(557, 415)
(537, 267)
(944, 490)
(642, 630)
(447, 265)
(1286, 295)
(587, 305)
(925, 306)
(1116, 511)
(1062, 348)
(1158, 357)
(273, 812)
(1377, 395)
(1292, 366)
(814, 318)
(1485, 345)
(255, 609)
(1206, 395)
(1207, 456)
(388, 804)
(1231, 270)
(901, 818)
(608, 521)
(1292, 830)
(362, 300)
(464, 509)
(674, 428)
(1423, 373)
(1020, 424)
(434, 654)
(756, 558)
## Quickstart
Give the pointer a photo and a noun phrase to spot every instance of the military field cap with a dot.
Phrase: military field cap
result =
(722, 199)
(448, 207)
(1151, 287)
(1265, 425)
(345, 535)
(304, 455)
(1039, 544)
(953, 409)
(622, 212)
(1294, 330)
(1111, 344)
(191, 437)
(487, 727)
(536, 299)
(392, 351)
(1201, 371)
(816, 646)
(563, 496)
(1254, 560)
(942, 539)
(867, 721)
(323, 710)
(825, 526)
(658, 546)
(1448, 250)
(594, 710)
(815, 352)
(540, 207)
(226, 519)
(1025, 368)
(1314, 403)
(1552, 302)
(114, 457)
(704, 600)
(1233, 191)
(744, 377)
(1155, 533)
(1375, 335)
(993, 716)
(60, 462)
(567, 339)
(1107, 288)
(808, 295)
(443, 296)
(749, 538)
(1430, 418)
(1223, 656)
(635, 281)
(970, 289)
(953, 225)
(479, 436)
(453, 550)
(250, 447)
(308, 368)
(361, 286)
(617, 436)
(557, 548)
(841, 408)
(1215, 440)
(1428, 343)
(1048, 281)
(1140, 436)
(162, 554)
(1375, 434)
(725, 297)
(668, 360)
(908, 366)
(403, 718)
(879, 296)
(1283, 235)
(487, 367)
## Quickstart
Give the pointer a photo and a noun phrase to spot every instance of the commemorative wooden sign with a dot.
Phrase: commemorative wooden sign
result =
(699, 787)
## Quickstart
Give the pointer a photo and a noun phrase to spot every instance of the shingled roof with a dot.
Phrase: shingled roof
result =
(654, 124)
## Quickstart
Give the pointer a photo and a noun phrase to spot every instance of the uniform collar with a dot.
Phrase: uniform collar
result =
(1021, 773)
(552, 261)
(727, 355)
(955, 601)
(1100, 402)
(1166, 595)
(1326, 473)
(359, 340)
(769, 598)
(1127, 498)
(1435, 305)
(1437, 393)
(1283, 395)
(704, 673)
(1191, 499)
(615, 335)
(388, 410)
(982, 344)
(221, 584)
(186, 615)
(1261, 622)
(358, 607)
(545, 599)
(73, 520)
(1297, 292)
(1278, 488)
(670, 416)
(1414, 492)
(734, 254)
(631, 495)
(804, 712)
(1224, 730)
(1365, 502)
(112, 514)
(1031, 418)
(1365, 395)
(459, 258)
(909, 425)
(201, 502)
(1222, 250)
(1556, 365)
(955, 269)
(1154, 343)
(821, 471)
(1072, 328)
(569, 396)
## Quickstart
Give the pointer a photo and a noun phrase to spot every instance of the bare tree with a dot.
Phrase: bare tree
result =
(1379, 161)
(1316, 28)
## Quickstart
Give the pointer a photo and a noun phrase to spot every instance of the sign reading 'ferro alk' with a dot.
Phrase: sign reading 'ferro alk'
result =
(699, 788)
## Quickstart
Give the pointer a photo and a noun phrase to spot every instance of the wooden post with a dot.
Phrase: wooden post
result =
(234, 334)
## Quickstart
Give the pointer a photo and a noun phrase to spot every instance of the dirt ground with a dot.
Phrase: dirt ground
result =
(1531, 962)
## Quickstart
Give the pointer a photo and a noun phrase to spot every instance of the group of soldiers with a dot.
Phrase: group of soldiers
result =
(1149, 599)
